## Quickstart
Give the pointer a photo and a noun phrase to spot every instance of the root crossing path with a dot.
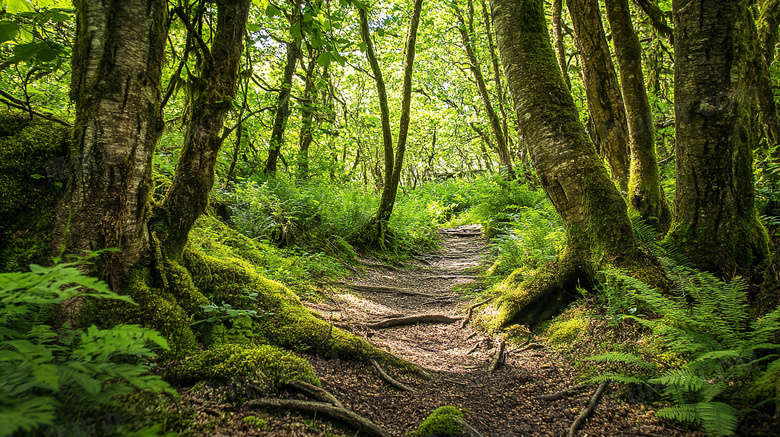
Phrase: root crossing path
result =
(496, 403)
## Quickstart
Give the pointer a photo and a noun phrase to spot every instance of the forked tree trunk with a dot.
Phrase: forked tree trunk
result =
(209, 100)
(645, 194)
(715, 221)
(384, 109)
(117, 67)
(393, 164)
(569, 169)
(601, 88)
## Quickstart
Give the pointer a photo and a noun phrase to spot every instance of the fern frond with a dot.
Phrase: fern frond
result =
(619, 378)
(622, 357)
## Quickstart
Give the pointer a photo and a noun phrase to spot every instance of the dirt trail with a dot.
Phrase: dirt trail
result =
(499, 403)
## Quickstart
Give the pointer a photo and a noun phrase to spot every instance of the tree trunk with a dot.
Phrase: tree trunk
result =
(283, 101)
(762, 59)
(209, 100)
(715, 221)
(560, 50)
(644, 187)
(476, 70)
(307, 117)
(569, 169)
(601, 88)
(117, 68)
(384, 110)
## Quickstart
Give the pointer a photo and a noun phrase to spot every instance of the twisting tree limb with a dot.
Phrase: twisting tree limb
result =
(472, 308)
(318, 393)
(411, 320)
(498, 359)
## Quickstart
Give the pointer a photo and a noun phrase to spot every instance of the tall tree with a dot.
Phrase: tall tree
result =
(569, 169)
(715, 220)
(605, 104)
(644, 187)
(476, 71)
(117, 68)
(393, 164)
(283, 98)
(209, 99)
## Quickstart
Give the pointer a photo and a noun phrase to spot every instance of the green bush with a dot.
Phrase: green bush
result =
(53, 374)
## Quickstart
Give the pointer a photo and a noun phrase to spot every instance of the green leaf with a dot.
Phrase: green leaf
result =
(17, 6)
(24, 52)
(253, 27)
(324, 59)
(8, 30)
(272, 11)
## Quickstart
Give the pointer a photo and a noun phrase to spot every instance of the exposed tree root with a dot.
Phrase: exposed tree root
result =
(594, 400)
(347, 416)
(316, 392)
(472, 308)
(498, 358)
(562, 394)
(466, 428)
(389, 290)
(387, 378)
(411, 320)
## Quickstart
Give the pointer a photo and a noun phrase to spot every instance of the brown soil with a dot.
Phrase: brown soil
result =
(499, 403)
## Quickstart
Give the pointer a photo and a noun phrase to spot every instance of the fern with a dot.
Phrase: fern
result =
(49, 375)
(706, 320)
(623, 357)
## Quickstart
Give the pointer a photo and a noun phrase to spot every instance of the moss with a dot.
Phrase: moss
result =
(567, 328)
(267, 364)
(443, 422)
(32, 168)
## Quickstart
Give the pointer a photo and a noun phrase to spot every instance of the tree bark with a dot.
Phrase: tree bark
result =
(569, 169)
(476, 70)
(657, 18)
(283, 99)
(496, 72)
(209, 100)
(116, 86)
(715, 221)
(601, 88)
(764, 39)
(645, 194)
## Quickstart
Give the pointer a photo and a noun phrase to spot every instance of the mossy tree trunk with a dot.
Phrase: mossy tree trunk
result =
(569, 169)
(210, 97)
(393, 164)
(764, 41)
(117, 68)
(601, 88)
(645, 194)
(715, 221)
(283, 98)
(384, 109)
(476, 70)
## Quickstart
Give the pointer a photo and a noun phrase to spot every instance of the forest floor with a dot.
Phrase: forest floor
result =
(498, 403)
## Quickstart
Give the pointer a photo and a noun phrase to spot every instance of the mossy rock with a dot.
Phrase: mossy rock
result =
(262, 363)
(32, 169)
(443, 422)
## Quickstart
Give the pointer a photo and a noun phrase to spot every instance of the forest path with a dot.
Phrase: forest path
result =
(499, 403)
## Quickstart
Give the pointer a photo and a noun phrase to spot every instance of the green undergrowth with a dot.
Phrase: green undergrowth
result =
(442, 422)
